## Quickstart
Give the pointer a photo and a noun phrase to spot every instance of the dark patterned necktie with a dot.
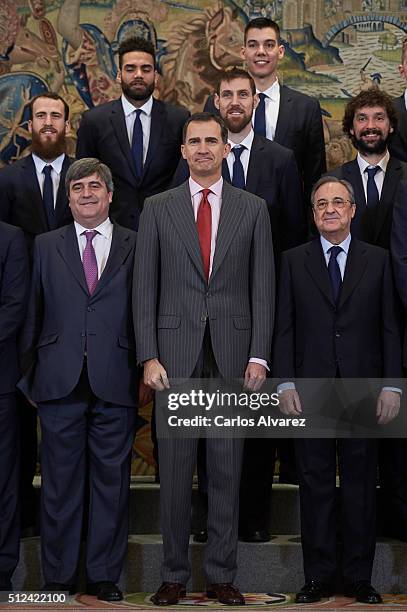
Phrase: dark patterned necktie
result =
(260, 116)
(137, 144)
(204, 227)
(90, 264)
(238, 179)
(372, 190)
(335, 271)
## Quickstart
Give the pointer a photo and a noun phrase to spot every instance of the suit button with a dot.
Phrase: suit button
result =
(208, 294)
(89, 309)
(83, 335)
(203, 318)
(337, 335)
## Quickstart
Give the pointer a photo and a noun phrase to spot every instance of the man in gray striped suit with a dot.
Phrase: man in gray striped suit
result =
(204, 305)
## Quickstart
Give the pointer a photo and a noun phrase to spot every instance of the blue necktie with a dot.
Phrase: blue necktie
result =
(48, 197)
(372, 191)
(137, 144)
(238, 179)
(335, 271)
(260, 116)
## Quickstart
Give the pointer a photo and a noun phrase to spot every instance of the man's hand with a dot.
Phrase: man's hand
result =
(155, 375)
(290, 404)
(388, 406)
(254, 376)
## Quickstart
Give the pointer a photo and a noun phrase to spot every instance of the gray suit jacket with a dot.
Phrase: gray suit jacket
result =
(173, 302)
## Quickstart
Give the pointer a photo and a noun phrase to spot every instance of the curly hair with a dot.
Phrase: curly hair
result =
(369, 97)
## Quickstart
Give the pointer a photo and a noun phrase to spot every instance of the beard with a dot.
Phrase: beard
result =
(369, 148)
(48, 149)
(236, 124)
(139, 92)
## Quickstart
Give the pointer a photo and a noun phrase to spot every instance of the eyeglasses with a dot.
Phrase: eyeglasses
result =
(336, 203)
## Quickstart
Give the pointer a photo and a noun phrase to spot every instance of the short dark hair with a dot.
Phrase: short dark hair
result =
(205, 118)
(86, 166)
(333, 179)
(51, 95)
(136, 43)
(235, 73)
(259, 23)
(369, 97)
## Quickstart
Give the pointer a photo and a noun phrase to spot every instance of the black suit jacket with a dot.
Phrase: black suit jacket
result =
(359, 337)
(398, 140)
(103, 134)
(21, 201)
(299, 128)
(63, 321)
(14, 281)
(272, 175)
(373, 225)
(399, 252)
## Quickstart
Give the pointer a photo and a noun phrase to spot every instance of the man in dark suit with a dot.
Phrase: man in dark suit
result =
(284, 115)
(203, 296)
(78, 356)
(137, 136)
(374, 174)
(337, 319)
(33, 197)
(398, 140)
(14, 279)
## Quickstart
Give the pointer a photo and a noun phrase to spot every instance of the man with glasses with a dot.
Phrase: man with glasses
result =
(336, 319)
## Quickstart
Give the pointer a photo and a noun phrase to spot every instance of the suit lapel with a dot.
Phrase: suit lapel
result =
(225, 171)
(158, 119)
(30, 180)
(119, 127)
(284, 114)
(61, 202)
(316, 265)
(355, 267)
(119, 251)
(253, 171)
(352, 174)
(390, 184)
(231, 212)
(180, 209)
(69, 250)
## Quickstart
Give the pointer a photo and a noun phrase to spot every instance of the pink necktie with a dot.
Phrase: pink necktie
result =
(90, 264)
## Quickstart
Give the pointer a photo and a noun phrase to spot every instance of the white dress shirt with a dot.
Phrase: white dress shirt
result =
(245, 156)
(379, 176)
(56, 166)
(145, 118)
(215, 200)
(272, 107)
(101, 242)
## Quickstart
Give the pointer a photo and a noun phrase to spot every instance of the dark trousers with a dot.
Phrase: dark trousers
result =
(28, 465)
(177, 465)
(80, 434)
(316, 466)
(393, 485)
(9, 484)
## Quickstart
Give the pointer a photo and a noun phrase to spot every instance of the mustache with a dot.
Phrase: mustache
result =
(371, 132)
(235, 108)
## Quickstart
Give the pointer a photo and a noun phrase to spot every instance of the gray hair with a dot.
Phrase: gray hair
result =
(333, 179)
(85, 167)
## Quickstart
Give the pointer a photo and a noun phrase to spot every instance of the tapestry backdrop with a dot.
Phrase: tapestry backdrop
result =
(333, 49)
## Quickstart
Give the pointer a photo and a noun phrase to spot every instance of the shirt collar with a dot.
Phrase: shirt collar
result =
(195, 187)
(246, 142)
(363, 164)
(105, 228)
(128, 108)
(56, 163)
(273, 92)
(326, 245)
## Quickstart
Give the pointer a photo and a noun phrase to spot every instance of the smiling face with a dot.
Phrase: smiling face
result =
(204, 150)
(236, 103)
(48, 128)
(371, 129)
(89, 200)
(333, 222)
(262, 52)
(137, 76)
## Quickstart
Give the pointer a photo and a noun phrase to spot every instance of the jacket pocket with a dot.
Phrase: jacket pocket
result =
(48, 339)
(168, 322)
(124, 342)
(241, 322)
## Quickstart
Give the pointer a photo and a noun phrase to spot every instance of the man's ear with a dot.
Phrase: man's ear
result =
(216, 100)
